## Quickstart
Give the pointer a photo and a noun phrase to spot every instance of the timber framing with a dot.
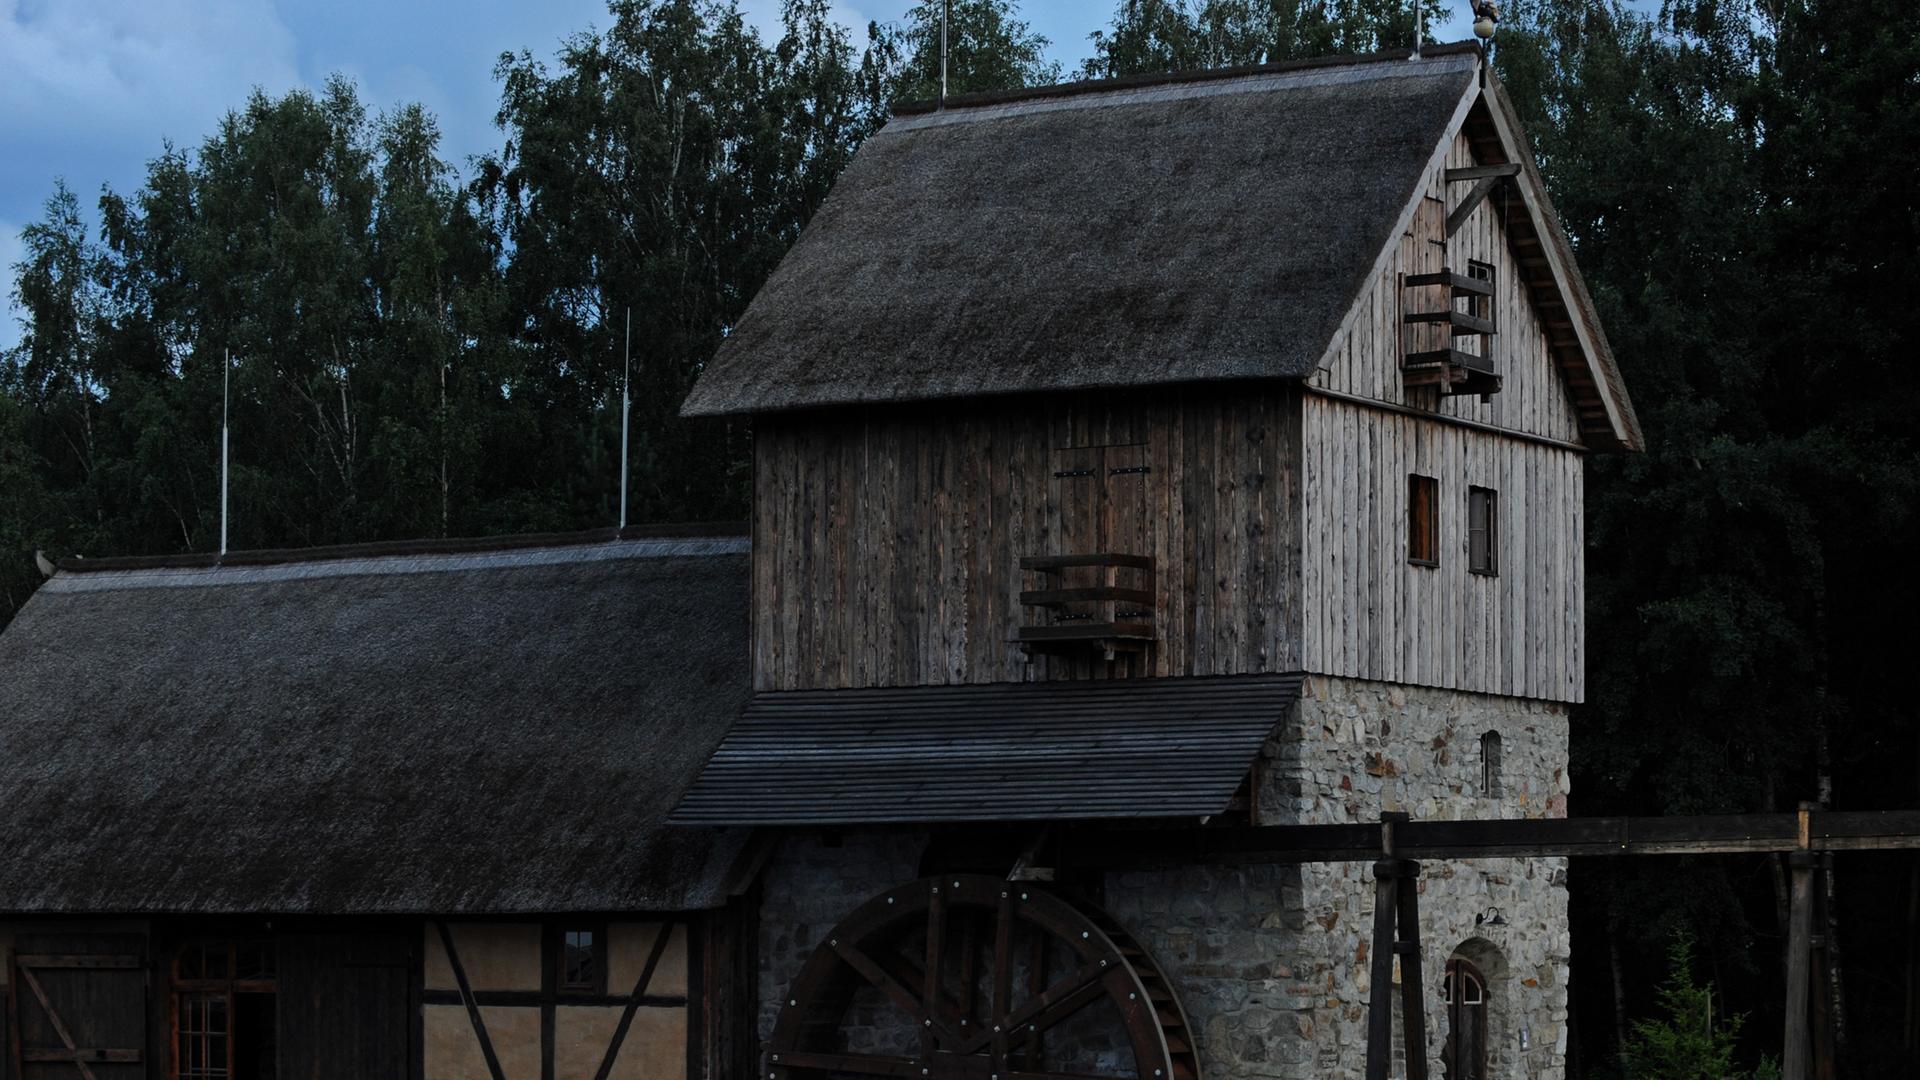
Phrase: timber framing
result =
(1808, 830)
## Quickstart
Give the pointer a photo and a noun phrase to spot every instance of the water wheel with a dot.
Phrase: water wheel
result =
(967, 976)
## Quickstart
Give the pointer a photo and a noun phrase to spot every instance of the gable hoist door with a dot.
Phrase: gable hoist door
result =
(1098, 498)
(79, 1006)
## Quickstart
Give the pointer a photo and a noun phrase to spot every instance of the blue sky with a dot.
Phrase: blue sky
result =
(91, 89)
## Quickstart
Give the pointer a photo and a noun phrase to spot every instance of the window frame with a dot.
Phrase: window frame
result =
(1423, 520)
(557, 950)
(1488, 500)
(182, 990)
(1483, 307)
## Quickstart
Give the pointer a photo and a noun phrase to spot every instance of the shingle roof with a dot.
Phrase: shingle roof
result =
(473, 731)
(1048, 751)
(1127, 234)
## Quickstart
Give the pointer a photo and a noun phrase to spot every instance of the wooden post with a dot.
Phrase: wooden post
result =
(1386, 906)
(1413, 1003)
(1794, 1063)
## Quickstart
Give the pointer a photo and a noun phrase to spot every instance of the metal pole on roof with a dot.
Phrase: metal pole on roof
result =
(946, 7)
(626, 412)
(1419, 26)
(226, 408)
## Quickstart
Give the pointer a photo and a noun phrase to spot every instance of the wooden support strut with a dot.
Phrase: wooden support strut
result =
(1396, 933)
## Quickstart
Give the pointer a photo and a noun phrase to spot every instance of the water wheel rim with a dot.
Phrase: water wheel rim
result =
(952, 1043)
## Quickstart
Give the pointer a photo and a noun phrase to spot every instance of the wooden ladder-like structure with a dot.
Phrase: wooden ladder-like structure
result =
(1453, 369)
(1105, 619)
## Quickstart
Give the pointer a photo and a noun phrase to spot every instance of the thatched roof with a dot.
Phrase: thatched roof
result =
(1124, 234)
(492, 731)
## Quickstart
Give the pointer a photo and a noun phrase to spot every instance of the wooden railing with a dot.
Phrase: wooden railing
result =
(1108, 617)
(1443, 363)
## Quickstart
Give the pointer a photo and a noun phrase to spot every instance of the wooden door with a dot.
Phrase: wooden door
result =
(345, 1005)
(1126, 526)
(1464, 1056)
(79, 1006)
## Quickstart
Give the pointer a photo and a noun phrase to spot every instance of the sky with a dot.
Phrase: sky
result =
(91, 90)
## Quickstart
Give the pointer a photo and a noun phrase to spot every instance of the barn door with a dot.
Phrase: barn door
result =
(345, 1006)
(79, 1006)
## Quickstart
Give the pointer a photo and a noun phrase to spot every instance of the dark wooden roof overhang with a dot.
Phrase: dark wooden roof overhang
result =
(1540, 248)
(1127, 748)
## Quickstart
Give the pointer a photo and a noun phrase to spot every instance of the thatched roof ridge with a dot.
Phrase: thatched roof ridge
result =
(500, 729)
(1122, 234)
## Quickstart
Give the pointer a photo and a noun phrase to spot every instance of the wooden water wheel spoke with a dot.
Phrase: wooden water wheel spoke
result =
(926, 949)
(1052, 1005)
(896, 990)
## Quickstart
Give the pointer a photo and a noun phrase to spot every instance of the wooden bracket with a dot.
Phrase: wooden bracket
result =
(1482, 172)
(1024, 868)
(1458, 215)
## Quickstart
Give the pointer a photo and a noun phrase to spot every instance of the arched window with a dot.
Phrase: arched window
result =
(1464, 1057)
(1490, 765)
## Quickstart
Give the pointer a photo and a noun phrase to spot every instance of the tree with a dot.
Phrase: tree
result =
(989, 47)
(1688, 1041)
(1174, 35)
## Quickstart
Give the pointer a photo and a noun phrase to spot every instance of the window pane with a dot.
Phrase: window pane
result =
(1423, 520)
(578, 971)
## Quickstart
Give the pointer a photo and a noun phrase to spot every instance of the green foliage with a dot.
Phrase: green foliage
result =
(1688, 1040)
(989, 47)
(1175, 35)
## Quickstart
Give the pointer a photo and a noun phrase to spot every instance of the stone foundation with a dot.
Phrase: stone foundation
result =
(1272, 961)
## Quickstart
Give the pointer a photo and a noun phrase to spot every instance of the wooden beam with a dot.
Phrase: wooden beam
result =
(1458, 215)
(1483, 172)
(1832, 830)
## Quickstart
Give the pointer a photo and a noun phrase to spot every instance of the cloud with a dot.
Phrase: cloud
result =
(102, 70)
(12, 250)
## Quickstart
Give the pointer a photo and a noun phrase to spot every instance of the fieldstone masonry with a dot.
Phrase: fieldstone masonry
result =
(1272, 961)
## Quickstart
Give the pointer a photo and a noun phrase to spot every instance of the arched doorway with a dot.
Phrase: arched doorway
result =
(1464, 1056)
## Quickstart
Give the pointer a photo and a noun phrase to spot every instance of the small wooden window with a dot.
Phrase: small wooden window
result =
(1480, 306)
(1483, 519)
(580, 960)
(1423, 520)
(1490, 764)
(223, 1008)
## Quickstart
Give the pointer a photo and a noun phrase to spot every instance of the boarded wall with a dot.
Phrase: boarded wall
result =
(887, 541)
(1371, 614)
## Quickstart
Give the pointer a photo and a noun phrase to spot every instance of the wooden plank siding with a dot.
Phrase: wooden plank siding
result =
(1371, 614)
(902, 569)
(1366, 363)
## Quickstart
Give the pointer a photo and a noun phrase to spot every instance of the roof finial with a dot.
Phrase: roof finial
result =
(1486, 19)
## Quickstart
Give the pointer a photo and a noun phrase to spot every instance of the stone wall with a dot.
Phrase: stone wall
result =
(1272, 961)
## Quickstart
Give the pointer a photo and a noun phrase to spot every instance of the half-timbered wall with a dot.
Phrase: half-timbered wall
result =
(495, 993)
(1365, 362)
(887, 542)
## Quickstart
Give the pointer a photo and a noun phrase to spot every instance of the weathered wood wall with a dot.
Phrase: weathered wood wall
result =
(1371, 614)
(1366, 361)
(887, 541)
